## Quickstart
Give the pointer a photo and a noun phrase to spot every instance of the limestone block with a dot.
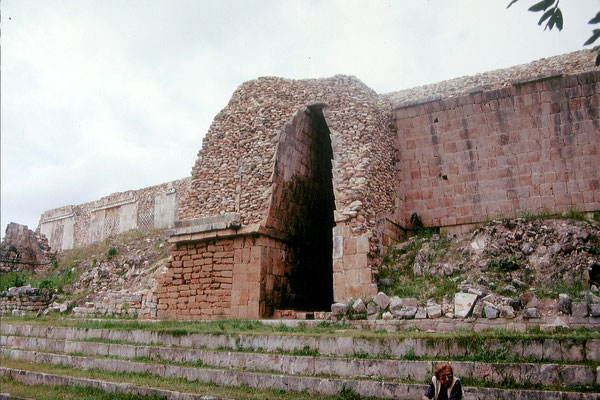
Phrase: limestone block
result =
(572, 351)
(491, 312)
(372, 309)
(463, 304)
(564, 303)
(577, 375)
(552, 350)
(592, 350)
(531, 312)
(549, 374)
(579, 309)
(359, 306)
(339, 309)
(434, 311)
(507, 312)
(382, 300)
(395, 303)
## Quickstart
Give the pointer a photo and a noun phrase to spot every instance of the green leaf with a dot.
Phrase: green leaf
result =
(595, 20)
(593, 38)
(551, 22)
(542, 5)
(511, 3)
(546, 15)
(559, 19)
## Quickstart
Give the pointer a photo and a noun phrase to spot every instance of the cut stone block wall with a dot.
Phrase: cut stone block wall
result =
(24, 300)
(217, 271)
(294, 168)
(198, 282)
(530, 147)
(149, 208)
(302, 208)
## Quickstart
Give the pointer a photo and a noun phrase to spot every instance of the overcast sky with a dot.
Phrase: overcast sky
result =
(102, 96)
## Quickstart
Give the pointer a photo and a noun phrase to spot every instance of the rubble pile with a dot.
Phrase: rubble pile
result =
(513, 268)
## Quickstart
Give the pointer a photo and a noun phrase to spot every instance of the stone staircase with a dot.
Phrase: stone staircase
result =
(390, 366)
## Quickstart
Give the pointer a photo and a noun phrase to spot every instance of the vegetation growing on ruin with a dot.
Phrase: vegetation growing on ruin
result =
(63, 275)
(397, 278)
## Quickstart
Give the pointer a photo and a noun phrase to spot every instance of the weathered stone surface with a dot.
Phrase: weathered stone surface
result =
(564, 303)
(576, 375)
(531, 312)
(382, 300)
(491, 312)
(372, 309)
(395, 303)
(23, 249)
(507, 312)
(434, 311)
(338, 309)
(463, 304)
(359, 306)
(579, 309)
(595, 310)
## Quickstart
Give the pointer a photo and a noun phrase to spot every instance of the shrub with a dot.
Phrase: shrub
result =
(111, 252)
(13, 279)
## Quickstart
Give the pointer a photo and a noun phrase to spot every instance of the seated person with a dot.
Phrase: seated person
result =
(444, 386)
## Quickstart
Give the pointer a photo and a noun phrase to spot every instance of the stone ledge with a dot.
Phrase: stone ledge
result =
(218, 227)
(331, 386)
(539, 373)
(40, 378)
(549, 350)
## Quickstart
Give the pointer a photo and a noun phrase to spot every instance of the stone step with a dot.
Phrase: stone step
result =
(546, 349)
(322, 385)
(39, 378)
(533, 373)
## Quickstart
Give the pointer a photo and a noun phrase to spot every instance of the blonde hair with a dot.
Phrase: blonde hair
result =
(439, 367)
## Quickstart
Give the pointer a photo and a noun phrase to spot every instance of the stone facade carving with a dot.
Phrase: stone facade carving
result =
(149, 208)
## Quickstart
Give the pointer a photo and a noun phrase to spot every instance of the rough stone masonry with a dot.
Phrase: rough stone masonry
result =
(301, 185)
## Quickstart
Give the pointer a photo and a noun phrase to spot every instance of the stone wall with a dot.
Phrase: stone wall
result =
(531, 147)
(149, 208)
(198, 282)
(235, 167)
(24, 300)
(308, 181)
(23, 250)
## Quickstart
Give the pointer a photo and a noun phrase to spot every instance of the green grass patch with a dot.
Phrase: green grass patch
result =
(254, 328)
(176, 384)
(39, 392)
(14, 279)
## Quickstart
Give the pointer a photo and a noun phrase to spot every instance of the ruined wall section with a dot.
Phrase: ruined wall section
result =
(571, 63)
(79, 225)
(530, 147)
(24, 250)
(234, 167)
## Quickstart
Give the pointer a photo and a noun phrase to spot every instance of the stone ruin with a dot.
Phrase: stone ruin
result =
(24, 250)
(301, 185)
